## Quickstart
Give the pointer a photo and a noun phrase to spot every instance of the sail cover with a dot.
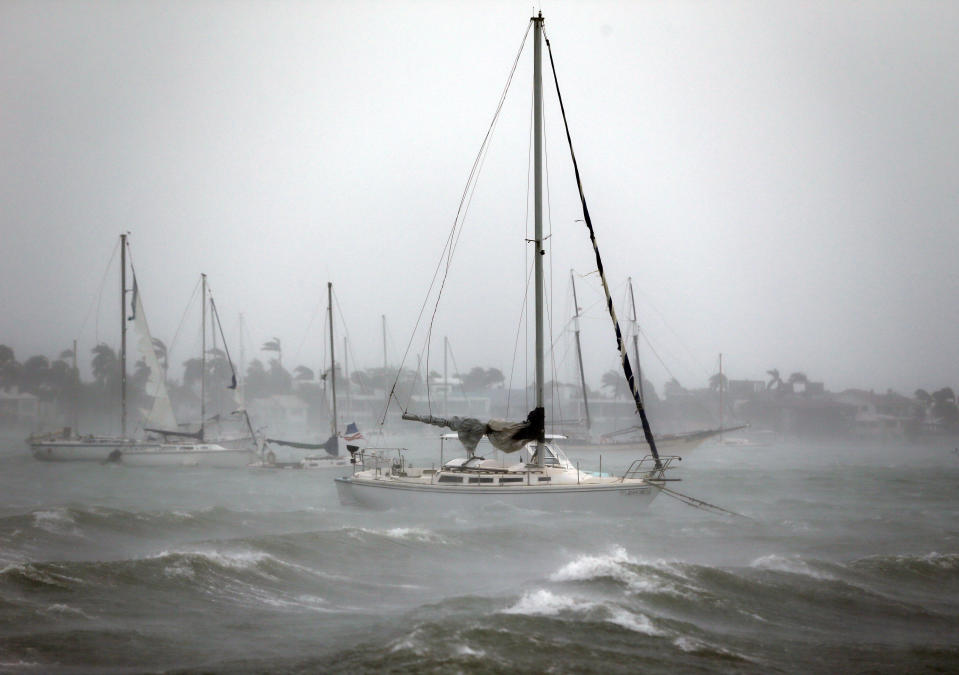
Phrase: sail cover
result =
(161, 414)
(505, 436)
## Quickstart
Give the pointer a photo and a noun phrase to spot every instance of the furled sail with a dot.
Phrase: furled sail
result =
(331, 445)
(505, 436)
(161, 414)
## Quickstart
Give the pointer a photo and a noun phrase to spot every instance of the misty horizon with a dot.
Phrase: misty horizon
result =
(779, 181)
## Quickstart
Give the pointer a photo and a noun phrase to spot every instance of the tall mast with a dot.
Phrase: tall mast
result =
(639, 366)
(538, 217)
(203, 359)
(329, 293)
(579, 351)
(123, 335)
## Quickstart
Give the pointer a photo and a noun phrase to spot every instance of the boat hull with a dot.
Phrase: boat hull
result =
(82, 451)
(223, 458)
(385, 494)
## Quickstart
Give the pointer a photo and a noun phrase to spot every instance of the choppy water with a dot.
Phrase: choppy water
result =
(850, 563)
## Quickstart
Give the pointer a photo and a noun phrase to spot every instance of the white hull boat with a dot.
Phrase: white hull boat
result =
(201, 454)
(474, 483)
(93, 449)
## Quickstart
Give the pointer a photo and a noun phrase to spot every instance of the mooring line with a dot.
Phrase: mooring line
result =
(699, 503)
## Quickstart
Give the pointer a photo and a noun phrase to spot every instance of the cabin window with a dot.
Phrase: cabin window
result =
(450, 479)
(544, 479)
(510, 479)
(474, 479)
(485, 480)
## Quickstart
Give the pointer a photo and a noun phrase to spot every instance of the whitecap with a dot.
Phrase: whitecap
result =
(402, 533)
(614, 565)
(55, 521)
(466, 650)
(790, 564)
(639, 623)
(542, 602)
(60, 608)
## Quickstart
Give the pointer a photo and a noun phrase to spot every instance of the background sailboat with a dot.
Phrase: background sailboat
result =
(66, 445)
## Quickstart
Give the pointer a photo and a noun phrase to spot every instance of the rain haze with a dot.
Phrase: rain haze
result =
(780, 180)
(777, 181)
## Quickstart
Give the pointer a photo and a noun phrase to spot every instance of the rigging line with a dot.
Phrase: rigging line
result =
(462, 388)
(689, 352)
(552, 287)
(658, 357)
(700, 504)
(450, 241)
(98, 298)
(627, 370)
(186, 310)
(456, 241)
(346, 333)
(233, 384)
(519, 326)
(556, 402)
(306, 333)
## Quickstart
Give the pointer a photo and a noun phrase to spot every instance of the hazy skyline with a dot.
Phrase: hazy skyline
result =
(781, 180)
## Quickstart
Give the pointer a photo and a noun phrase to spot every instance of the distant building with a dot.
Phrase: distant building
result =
(745, 388)
(18, 408)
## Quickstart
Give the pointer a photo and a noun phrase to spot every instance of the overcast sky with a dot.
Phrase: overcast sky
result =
(780, 179)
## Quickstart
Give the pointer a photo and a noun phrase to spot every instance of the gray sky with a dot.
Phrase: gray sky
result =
(781, 179)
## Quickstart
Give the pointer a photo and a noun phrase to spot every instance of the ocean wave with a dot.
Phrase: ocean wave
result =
(542, 602)
(56, 521)
(32, 575)
(791, 565)
(928, 567)
(638, 576)
(417, 534)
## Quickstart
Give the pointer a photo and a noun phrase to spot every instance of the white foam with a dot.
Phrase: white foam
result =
(639, 623)
(542, 602)
(790, 564)
(692, 645)
(60, 608)
(466, 650)
(403, 533)
(613, 565)
(55, 521)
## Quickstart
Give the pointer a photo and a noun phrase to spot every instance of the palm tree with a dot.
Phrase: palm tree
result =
(774, 379)
(944, 406)
(34, 374)
(302, 373)
(274, 345)
(104, 365)
(717, 380)
(616, 383)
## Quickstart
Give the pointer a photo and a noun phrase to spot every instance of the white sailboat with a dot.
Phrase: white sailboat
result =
(194, 452)
(66, 445)
(541, 476)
